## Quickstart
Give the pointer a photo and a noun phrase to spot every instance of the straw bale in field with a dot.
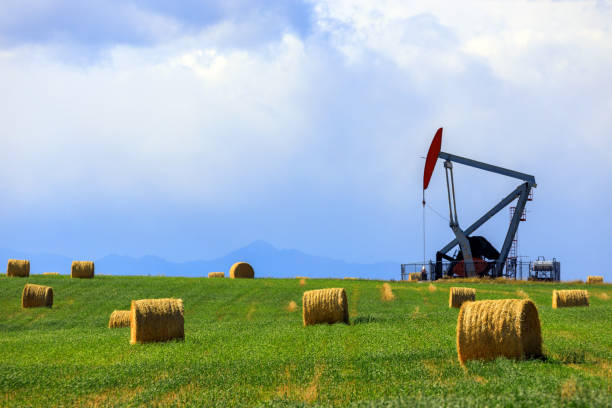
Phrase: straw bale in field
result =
(242, 270)
(325, 306)
(569, 298)
(18, 267)
(50, 273)
(414, 277)
(216, 275)
(457, 296)
(488, 329)
(386, 293)
(350, 278)
(36, 296)
(119, 318)
(82, 269)
(156, 320)
(595, 279)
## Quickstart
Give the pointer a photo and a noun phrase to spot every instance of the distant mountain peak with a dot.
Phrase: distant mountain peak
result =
(260, 245)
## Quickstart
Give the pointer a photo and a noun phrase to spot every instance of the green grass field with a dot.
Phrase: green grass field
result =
(243, 347)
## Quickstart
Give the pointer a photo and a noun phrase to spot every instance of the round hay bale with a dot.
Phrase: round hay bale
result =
(50, 273)
(457, 296)
(156, 320)
(36, 296)
(241, 270)
(216, 274)
(414, 277)
(569, 298)
(18, 268)
(119, 318)
(82, 269)
(595, 279)
(325, 306)
(488, 329)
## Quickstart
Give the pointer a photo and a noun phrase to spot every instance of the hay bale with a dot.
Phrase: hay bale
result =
(82, 269)
(301, 277)
(569, 298)
(50, 273)
(414, 277)
(242, 270)
(386, 294)
(119, 318)
(350, 278)
(488, 329)
(216, 274)
(595, 279)
(156, 320)
(18, 268)
(36, 296)
(324, 306)
(457, 296)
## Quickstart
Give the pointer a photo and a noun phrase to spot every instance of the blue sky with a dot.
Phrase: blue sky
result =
(188, 130)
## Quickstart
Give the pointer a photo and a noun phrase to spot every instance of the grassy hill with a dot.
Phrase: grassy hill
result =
(244, 347)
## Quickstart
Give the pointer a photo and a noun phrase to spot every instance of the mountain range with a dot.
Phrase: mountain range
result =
(268, 262)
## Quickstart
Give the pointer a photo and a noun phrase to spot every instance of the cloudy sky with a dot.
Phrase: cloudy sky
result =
(188, 129)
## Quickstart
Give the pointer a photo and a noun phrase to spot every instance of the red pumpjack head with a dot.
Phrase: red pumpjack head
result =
(432, 158)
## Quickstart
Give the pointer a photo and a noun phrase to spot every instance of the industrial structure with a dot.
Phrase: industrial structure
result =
(474, 255)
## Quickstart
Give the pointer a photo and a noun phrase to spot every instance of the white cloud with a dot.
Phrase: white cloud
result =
(335, 120)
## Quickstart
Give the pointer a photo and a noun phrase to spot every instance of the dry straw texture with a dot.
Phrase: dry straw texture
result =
(595, 279)
(216, 275)
(18, 267)
(386, 293)
(457, 296)
(50, 273)
(156, 320)
(292, 306)
(498, 328)
(242, 270)
(522, 294)
(36, 296)
(82, 269)
(119, 318)
(350, 278)
(414, 277)
(325, 306)
(569, 298)
(302, 282)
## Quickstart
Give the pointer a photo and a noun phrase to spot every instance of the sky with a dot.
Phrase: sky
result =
(188, 129)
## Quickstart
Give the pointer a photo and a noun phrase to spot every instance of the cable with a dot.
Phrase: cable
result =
(424, 241)
(437, 213)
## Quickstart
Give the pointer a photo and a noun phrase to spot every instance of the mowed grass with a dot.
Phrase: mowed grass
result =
(244, 346)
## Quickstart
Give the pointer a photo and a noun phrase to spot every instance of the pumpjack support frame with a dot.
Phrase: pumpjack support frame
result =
(521, 193)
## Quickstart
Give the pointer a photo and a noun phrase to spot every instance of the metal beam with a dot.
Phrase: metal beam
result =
(489, 167)
(520, 206)
(497, 208)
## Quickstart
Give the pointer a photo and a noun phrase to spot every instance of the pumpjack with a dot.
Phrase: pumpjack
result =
(476, 256)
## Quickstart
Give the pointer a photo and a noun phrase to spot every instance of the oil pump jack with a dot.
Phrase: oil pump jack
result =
(473, 250)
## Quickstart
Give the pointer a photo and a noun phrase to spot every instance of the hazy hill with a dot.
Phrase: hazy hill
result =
(267, 260)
